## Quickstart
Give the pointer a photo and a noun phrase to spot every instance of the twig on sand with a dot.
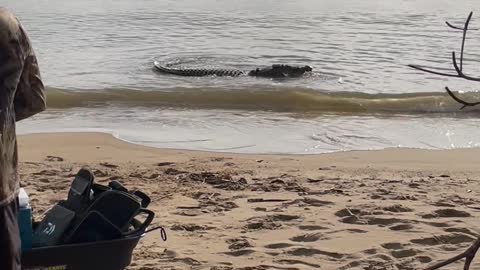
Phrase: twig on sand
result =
(349, 211)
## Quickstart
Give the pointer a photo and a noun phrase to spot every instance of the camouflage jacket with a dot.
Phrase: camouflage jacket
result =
(22, 95)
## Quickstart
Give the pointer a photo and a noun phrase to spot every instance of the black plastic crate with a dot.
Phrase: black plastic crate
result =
(89, 249)
(103, 255)
(113, 254)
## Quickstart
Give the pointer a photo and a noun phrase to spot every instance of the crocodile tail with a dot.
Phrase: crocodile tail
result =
(233, 73)
(197, 72)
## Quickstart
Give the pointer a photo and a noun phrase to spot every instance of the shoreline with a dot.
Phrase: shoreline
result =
(401, 158)
(253, 133)
(403, 208)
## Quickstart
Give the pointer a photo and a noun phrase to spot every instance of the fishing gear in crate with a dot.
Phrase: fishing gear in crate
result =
(94, 212)
(94, 218)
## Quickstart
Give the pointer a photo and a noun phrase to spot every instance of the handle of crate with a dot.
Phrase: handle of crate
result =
(144, 197)
(142, 227)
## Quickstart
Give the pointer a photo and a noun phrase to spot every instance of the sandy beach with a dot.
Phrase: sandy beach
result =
(388, 209)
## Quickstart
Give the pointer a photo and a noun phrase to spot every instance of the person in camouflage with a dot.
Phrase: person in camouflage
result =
(22, 95)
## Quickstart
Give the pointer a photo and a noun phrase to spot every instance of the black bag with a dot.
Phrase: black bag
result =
(109, 216)
(93, 227)
(52, 228)
(80, 190)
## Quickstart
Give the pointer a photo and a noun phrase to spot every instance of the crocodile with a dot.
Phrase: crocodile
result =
(274, 71)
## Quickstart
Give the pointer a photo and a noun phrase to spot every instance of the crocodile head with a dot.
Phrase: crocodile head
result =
(280, 71)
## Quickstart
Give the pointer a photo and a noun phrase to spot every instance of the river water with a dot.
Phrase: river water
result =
(97, 56)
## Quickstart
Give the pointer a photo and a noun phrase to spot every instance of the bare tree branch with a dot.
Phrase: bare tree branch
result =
(460, 72)
(458, 68)
(430, 70)
(468, 254)
(454, 27)
(454, 60)
(465, 29)
(457, 99)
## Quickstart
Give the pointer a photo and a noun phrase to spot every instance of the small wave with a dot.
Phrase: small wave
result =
(299, 100)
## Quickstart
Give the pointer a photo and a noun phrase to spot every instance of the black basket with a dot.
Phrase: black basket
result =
(103, 255)
(91, 250)
(99, 255)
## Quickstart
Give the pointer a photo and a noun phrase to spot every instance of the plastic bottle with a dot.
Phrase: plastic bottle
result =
(25, 220)
(23, 198)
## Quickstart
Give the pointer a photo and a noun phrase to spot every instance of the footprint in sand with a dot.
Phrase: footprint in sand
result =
(347, 212)
(172, 171)
(362, 217)
(190, 227)
(377, 261)
(108, 165)
(393, 245)
(262, 224)
(221, 268)
(412, 263)
(312, 237)
(161, 164)
(442, 203)
(293, 262)
(44, 180)
(385, 221)
(219, 180)
(238, 243)
(313, 251)
(355, 231)
(282, 217)
(401, 227)
(438, 224)
(454, 238)
(447, 212)
(368, 220)
(99, 173)
(371, 251)
(189, 212)
(218, 205)
(350, 230)
(170, 256)
(279, 245)
(423, 259)
(48, 172)
(462, 230)
(270, 222)
(312, 227)
(241, 252)
(404, 253)
(188, 261)
(54, 159)
(309, 202)
(397, 208)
